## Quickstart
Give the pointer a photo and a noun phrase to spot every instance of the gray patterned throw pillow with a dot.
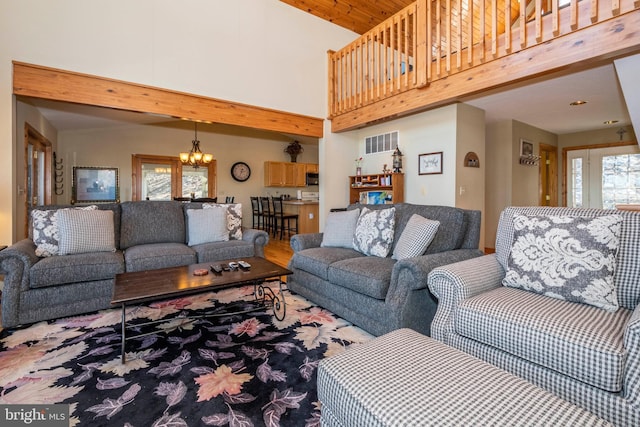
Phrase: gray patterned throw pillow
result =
(374, 231)
(45, 233)
(564, 257)
(416, 237)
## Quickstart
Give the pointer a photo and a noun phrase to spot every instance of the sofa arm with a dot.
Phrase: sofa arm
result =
(456, 282)
(631, 391)
(15, 263)
(305, 241)
(260, 238)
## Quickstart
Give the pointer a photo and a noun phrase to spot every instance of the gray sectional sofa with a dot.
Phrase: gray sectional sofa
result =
(380, 294)
(147, 235)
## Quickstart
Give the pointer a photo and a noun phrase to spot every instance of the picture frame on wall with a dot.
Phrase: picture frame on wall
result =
(526, 148)
(430, 163)
(95, 185)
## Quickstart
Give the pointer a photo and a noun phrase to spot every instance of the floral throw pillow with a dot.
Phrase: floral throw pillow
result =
(569, 258)
(374, 231)
(45, 230)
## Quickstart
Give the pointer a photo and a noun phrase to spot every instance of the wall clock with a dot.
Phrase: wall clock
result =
(240, 171)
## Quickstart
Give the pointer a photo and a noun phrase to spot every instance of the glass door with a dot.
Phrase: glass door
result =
(603, 177)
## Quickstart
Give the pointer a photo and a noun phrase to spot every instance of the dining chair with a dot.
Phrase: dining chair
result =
(229, 199)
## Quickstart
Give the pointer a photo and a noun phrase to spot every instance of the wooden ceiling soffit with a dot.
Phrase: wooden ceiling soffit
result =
(582, 49)
(60, 85)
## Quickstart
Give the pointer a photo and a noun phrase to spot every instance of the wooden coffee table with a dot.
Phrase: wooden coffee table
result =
(142, 286)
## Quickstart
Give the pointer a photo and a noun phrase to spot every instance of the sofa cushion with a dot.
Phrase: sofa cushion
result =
(340, 228)
(416, 237)
(151, 221)
(207, 225)
(218, 251)
(565, 257)
(158, 255)
(578, 340)
(83, 231)
(367, 275)
(45, 232)
(627, 270)
(317, 260)
(87, 267)
(374, 231)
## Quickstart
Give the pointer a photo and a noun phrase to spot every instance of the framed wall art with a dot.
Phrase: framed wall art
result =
(430, 163)
(526, 148)
(95, 184)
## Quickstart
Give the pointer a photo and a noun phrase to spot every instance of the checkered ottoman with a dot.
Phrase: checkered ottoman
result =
(404, 378)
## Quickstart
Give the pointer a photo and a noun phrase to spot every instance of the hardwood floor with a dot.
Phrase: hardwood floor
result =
(278, 251)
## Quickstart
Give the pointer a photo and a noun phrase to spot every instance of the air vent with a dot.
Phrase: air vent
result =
(381, 143)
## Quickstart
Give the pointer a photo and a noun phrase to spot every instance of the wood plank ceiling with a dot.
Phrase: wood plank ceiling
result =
(362, 15)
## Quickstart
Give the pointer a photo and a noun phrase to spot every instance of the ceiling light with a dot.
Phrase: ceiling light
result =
(610, 122)
(574, 103)
(195, 157)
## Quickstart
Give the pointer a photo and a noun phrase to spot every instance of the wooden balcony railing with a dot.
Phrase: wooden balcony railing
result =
(433, 39)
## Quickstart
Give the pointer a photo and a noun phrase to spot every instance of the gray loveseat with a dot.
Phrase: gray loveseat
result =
(148, 235)
(576, 349)
(380, 294)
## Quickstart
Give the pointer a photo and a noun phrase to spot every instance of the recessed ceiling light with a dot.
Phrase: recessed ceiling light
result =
(574, 103)
(610, 122)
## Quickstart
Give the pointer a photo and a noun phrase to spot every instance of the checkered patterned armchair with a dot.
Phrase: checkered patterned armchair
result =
(582, 353)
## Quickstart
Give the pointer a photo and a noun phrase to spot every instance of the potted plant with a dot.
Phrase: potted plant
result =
(293, 150)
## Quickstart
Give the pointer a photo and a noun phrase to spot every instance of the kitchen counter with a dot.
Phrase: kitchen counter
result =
(307, 211)
(297, 202)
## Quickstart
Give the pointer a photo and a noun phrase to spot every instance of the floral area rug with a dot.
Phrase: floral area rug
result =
(236, 370)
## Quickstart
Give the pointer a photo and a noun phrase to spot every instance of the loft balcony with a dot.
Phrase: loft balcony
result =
(434, 52)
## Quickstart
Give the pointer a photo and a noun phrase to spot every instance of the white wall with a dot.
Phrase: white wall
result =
(454, 130)
(263, 53)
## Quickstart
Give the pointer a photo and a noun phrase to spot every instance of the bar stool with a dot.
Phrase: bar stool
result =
(229, 199)
(279, 217)
(267, 215)
(257, 215)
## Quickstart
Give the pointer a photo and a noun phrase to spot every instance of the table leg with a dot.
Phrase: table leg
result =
(124, 337)
(263, 293)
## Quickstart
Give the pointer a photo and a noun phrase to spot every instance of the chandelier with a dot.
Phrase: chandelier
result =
(195, 157)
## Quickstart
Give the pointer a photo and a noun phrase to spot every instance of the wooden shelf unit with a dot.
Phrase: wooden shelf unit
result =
(388, 182)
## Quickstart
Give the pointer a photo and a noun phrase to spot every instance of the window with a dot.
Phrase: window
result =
(164, 177)
(603, 177)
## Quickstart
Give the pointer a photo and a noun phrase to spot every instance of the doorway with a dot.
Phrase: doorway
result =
(38, 172)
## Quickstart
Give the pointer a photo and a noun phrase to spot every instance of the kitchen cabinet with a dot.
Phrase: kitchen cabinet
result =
(285, 174)
(312, 167)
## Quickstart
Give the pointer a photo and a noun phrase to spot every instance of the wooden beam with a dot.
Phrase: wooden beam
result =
(590, 46)
(60, 85)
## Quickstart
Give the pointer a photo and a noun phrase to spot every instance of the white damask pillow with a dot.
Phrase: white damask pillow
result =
(374, 231)
(44, 223)
(565, 257)
(234, 218)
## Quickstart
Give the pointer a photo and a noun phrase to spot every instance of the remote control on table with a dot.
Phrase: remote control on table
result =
(233, 265)
(216, 269)
(244, 265)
